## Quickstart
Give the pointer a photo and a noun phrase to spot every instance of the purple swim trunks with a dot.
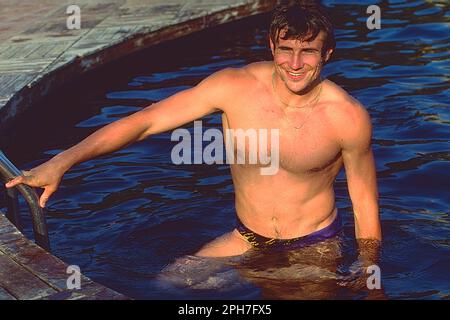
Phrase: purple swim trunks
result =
(261, 242)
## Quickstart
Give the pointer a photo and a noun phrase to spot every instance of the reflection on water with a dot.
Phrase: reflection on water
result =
(306, 273)
(132, 220)
(314, 272)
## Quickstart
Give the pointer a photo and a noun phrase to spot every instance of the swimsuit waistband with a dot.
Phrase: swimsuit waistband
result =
(259, 241)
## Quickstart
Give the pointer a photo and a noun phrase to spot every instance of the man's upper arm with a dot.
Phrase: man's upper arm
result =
(185, 106)
(360, 170)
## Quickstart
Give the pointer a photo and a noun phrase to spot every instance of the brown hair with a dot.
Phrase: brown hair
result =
(303, 20)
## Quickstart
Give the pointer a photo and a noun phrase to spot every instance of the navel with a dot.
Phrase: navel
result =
(275, 228)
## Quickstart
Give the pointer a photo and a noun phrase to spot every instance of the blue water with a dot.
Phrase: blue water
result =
(125, 217)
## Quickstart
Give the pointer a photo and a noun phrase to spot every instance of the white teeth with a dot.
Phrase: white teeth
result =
(295, 74)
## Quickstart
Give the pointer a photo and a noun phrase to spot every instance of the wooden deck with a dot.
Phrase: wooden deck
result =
(28, 272)
(38, 52)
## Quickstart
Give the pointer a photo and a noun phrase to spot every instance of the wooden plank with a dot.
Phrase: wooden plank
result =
(29, 272)
(90, 291)
(4, 295)
(42, 264)
(8, 232)
(47, 267)
(19, 282)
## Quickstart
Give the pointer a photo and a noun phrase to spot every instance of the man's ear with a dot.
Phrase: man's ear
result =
(327, 55)
(272, 46)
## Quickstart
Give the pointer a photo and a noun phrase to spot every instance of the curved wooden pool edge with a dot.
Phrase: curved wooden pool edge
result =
(39, 60)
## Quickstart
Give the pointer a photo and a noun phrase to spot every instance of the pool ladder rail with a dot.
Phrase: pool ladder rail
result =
(7, 172)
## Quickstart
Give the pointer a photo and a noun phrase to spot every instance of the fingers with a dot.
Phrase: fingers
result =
(14, 182)
(26, 178)
(45, 196)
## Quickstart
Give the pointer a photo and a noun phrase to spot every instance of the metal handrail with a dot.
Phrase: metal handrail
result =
(8, 171)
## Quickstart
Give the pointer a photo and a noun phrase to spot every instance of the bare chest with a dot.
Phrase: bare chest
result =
(303, 141)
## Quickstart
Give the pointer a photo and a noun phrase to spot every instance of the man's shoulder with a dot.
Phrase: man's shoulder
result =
(258, 69)
(348, 116)
(232, 81)
(235, 76)
(225, 85)
(341, 105)
(249, 72)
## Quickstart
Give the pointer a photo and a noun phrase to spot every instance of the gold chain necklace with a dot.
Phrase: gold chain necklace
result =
(314, 100)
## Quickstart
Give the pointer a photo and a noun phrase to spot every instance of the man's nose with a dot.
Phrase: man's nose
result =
(297, 61)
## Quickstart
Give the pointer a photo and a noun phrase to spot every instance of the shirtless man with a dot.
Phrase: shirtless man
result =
(320, 128)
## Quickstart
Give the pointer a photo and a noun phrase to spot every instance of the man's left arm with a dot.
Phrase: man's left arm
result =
(361, 179)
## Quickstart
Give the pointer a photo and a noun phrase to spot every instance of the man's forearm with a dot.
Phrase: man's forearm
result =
(108, 139)
(367, 224)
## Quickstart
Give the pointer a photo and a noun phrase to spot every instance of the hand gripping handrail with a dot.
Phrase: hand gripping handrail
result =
(8, 171)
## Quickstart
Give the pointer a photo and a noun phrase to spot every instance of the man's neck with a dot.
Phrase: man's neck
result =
(301, 99)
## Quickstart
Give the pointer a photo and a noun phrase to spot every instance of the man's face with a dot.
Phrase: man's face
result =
(298, 63)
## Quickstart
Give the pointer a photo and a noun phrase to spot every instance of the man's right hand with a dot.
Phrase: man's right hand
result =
(46, 176)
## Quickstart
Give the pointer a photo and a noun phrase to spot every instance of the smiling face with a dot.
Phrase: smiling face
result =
(298, 63)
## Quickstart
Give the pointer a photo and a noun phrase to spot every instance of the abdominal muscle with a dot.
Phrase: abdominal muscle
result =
(282, 206)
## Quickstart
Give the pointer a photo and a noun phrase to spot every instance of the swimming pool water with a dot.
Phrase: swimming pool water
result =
(125, 217)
